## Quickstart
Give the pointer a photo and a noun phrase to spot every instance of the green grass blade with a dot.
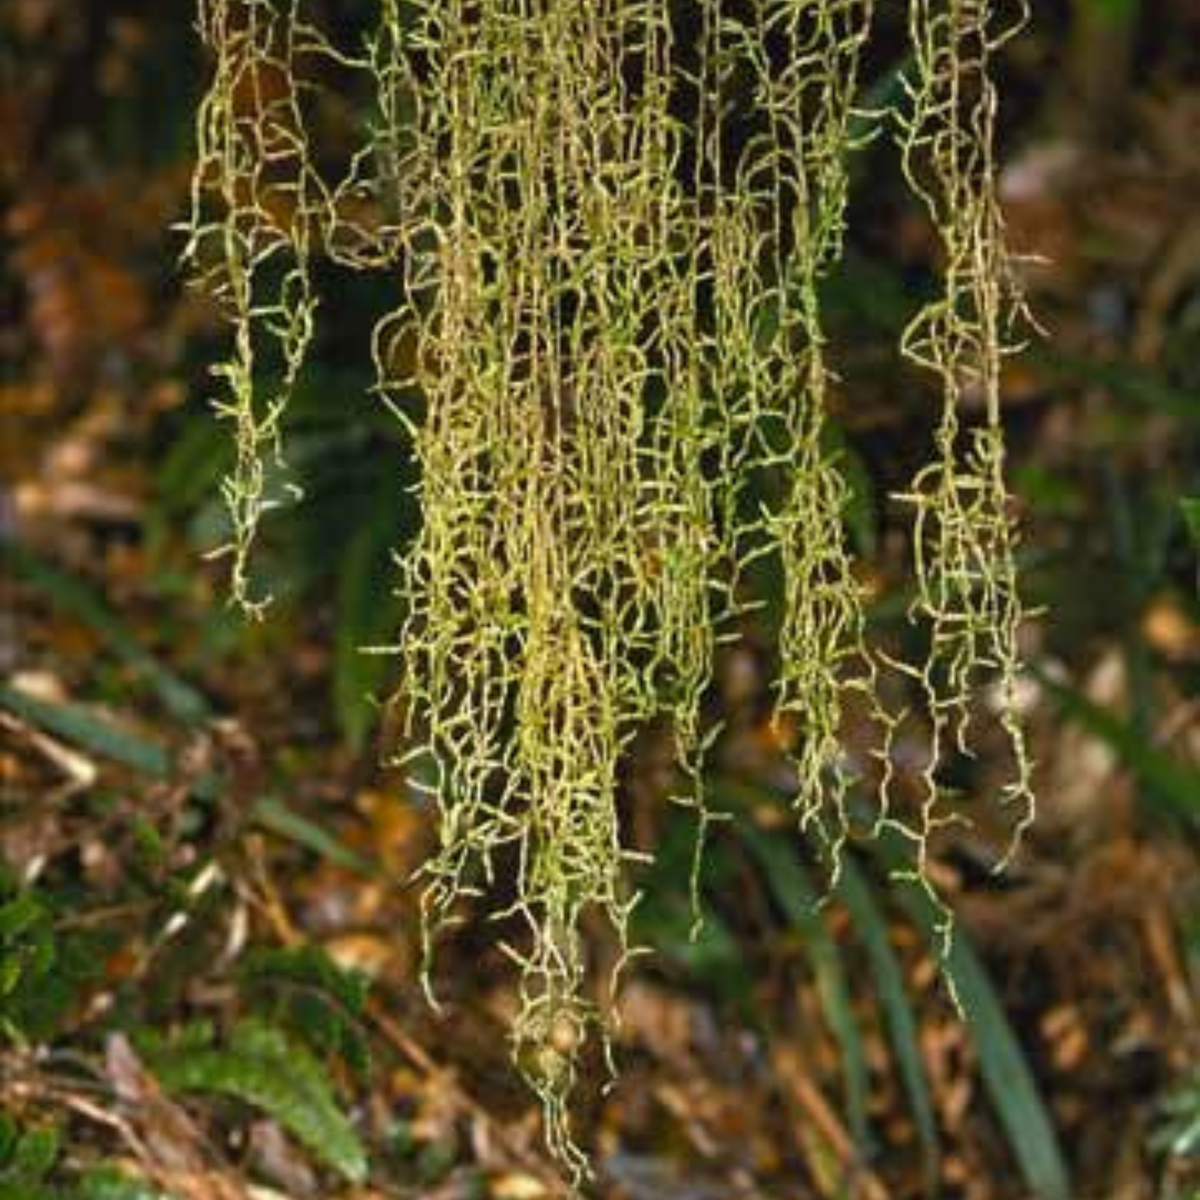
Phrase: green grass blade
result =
(1006, 1074)
(366, 616)
(1190, 507)
(78, 726)
(1168, 783)
(796, 896)
(272, 814)
(116, 1183)
(855, 892)
(1130, 381)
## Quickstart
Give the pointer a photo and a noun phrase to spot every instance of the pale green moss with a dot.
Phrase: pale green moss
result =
(608, 248)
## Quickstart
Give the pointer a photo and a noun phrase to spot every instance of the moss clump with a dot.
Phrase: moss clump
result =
(607, 228)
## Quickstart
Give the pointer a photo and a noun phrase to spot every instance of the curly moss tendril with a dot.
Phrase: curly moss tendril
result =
(249, 241)
(964, 535)
(608, 231)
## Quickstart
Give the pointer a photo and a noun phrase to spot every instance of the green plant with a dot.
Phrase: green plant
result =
(42, 970)
(27, 1156)
(888, 865)
(1178, 1131)
(608, 227)
(305, 992)
(260, 1066)
(115, 1183)
(1175, 1137)
(1190, 507)
(33, 1167)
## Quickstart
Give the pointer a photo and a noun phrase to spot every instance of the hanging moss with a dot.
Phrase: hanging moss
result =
(249, 245)
(964, 536)
(607, 234)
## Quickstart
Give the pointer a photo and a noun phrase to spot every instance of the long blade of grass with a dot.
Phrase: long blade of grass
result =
(365, 576)
(1170, 784)
(1131, 382)
(856, 893)
(1190, 507)
(274, 815)
(793, 891)
(1006, 1074)
(74, 724)
(81, 728)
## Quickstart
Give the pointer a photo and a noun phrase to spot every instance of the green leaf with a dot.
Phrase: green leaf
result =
(74, 724)
(77, 725)
(194, 465)
(862, 503)
(1117, 12)
(20, 914)
(792, 890)
(317, 999)
(274, 815)
(855, 892)
(22, 1189)
(1006, 1074)
(1130, 381)
(1178, 1131)
(1007, 1078)
(1191, 516)
(114, 1183)
(1171, 784)
(264, 1069)
(27, 956)
(42, 970)
(310, 966)
(8, 1137)
(32, 1157)
(710, 953)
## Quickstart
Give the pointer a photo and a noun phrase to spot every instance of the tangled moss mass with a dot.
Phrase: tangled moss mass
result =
(607, 224)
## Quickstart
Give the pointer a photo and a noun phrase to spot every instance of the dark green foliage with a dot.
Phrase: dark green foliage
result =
(793, 892)
(74, 597)
(32, 1168)
(76, 725)
(1178, 1131)
(271, 813)
(41, 970)
(112, 1183)
(855, 891)
(1190, 506)
(709, 953)
(1007, 1077)
(27, 1156)
(1169, 785)
(261, 1067)
(306, 992)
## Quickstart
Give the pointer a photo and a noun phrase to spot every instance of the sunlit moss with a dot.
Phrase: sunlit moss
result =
(964, 536)
(608, 228)
(249, 242)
